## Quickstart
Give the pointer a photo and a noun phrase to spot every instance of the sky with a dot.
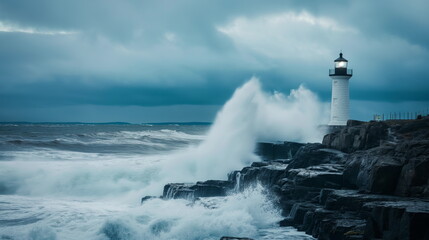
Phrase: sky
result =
(166, 61)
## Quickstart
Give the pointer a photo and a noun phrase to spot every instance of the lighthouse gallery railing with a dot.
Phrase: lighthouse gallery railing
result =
(340, 71)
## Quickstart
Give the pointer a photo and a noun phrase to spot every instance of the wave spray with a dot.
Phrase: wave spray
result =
(250, 115)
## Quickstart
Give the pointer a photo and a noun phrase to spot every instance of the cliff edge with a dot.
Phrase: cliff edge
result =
(368, 180)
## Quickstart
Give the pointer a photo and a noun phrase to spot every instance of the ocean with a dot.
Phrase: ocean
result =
(86, 181)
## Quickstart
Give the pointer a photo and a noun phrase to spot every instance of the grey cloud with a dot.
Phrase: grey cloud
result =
(121, 53)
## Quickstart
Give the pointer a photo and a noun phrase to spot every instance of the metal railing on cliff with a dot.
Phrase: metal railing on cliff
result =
(401, 115)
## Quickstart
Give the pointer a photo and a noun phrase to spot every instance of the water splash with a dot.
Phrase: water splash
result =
(210, 218)
(250, 115)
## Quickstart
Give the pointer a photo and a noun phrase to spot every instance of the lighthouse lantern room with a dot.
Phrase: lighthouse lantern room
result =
(340, 76)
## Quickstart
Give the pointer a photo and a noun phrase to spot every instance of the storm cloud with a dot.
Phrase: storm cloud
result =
(176, 54)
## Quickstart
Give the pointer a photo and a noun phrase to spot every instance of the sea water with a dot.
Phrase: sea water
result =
(85, 181)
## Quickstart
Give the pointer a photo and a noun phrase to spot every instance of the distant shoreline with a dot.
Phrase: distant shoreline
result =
(108, 123)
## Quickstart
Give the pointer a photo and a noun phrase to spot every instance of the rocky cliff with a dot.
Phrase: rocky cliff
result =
(368, 180)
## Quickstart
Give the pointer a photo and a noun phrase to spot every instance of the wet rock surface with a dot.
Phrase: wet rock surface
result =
(404, 219)
(145, 198)
(266, 174)
(235, 238)
(190, 191)
(366, 181)
(378, 189)
(357, 136)
(281, 150)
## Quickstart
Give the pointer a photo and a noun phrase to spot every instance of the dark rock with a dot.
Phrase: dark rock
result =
(314, 154)
(282, 161)
(324, 194)
(330, 225)
(357, 185)
(265, 174)
(389, 158)
(345, 212)
(217, 183)
(325, 224)
(286, 222)
(299, 210)
(175, 190)
(352, 123)
(210, 188)
(204, 190)
(348, 228)
(375, 171)
(308, 222)
(414, 126)
(398, 220)
(289, 195)
(147, 198)
(259, 164)
(320, 176)
(273, 151)
(235, 238)
(291, 148)
(414, 177)
(384, 176)
(289, 190)
(413, 148)
(232, 176)
(352, 200)
(265, 150)
(357, 136)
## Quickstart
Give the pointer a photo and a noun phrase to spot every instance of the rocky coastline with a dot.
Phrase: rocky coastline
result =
(368, 180)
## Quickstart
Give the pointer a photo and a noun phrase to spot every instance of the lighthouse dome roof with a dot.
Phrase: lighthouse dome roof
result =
(341, 59)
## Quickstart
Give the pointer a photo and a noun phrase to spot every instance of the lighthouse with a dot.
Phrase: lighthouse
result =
(340, 92)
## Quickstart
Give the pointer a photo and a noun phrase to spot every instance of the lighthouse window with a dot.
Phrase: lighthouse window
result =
(335, 81)
(341, 64)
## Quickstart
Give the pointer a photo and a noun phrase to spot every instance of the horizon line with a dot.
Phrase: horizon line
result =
(109, 123)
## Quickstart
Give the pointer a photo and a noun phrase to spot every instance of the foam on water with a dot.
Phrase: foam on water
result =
(242, 214)
(51, 218)
(251, 115)
(146, 136)
(95, 195)
(156, 138)
(249, 214)
(107, 178)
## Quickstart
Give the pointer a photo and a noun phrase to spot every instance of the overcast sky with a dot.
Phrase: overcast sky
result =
(151, 61)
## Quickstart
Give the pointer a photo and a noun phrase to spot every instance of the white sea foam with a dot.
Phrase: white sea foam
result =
(163, 134)
(125, 178)
(251, 115)
(244, 214)
(237, 215)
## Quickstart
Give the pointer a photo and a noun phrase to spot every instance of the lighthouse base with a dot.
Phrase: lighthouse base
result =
(337, 123)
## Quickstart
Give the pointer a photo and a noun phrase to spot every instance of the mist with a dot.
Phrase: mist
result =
(251, 115)
(66, 169)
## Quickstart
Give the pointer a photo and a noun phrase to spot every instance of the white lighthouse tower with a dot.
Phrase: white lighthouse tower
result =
(340, 92)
